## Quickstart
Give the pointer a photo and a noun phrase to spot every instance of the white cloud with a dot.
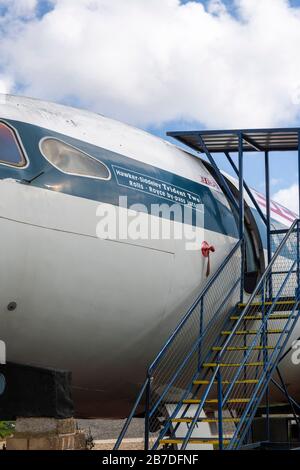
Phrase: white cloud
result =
(289, 198)
(5, 85)
(147, 62)
(19, 8)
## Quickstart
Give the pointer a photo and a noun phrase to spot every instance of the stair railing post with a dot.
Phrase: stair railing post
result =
(220, 409)
(241, 209)
(298, 224)
(265, 288)
(223, 182)
(298, 261)
(243, 263)
(200, 333)
(147, 413)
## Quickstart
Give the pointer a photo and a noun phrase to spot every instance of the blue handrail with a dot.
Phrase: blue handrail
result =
(192, 308)
(269, 367)
(188, 390)
(233, 332)
(161, 354)
(258, 334)
(130, 417)
(257, 289)
(193, 349)
(239, 439)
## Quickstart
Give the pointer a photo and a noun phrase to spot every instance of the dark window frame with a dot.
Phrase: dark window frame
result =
(17, 140)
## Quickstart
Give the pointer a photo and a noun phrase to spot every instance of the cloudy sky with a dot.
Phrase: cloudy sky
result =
(163, 64)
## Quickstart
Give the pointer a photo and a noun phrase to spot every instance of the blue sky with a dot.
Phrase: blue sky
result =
(163, 65)
(282, 165)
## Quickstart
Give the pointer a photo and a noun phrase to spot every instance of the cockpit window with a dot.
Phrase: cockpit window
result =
(72, 161)
(10, 151)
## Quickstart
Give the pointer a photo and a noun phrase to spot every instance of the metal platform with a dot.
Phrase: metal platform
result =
(254, 140)
(230, 368)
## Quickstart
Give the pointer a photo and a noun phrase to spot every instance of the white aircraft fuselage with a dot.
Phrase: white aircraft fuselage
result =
(101, 308)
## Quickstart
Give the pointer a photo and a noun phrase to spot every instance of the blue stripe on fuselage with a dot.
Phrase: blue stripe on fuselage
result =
(160, 186)
(139, 182)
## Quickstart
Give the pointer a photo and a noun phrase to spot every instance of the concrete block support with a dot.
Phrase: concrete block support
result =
(46, 434)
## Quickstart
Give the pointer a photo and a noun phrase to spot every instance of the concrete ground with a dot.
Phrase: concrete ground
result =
(101, 429)
(105, 433)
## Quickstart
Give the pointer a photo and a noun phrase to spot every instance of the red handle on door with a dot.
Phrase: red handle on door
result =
(206, 250)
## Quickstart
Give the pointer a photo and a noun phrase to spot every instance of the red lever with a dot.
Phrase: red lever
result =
(206, 250)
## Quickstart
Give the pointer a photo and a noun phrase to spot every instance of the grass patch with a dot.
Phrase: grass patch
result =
(6, 428)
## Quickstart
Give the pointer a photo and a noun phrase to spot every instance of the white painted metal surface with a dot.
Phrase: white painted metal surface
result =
(100, 308)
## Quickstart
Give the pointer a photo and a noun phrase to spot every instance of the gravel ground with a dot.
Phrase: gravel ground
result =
(101, 429)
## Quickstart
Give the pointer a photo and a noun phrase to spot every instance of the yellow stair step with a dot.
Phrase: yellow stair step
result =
(248, 364)
(205, 420)
(242, 348)
(251, 332)
(260, 304)
(215, 400)
(192, 441)
(227, 382)
(260, 317)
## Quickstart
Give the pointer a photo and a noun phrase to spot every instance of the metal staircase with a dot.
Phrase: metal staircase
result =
(221, 358)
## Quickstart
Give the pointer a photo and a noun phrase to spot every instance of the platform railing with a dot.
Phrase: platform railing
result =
(170, 377)
(280, 280)
(280, 298)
